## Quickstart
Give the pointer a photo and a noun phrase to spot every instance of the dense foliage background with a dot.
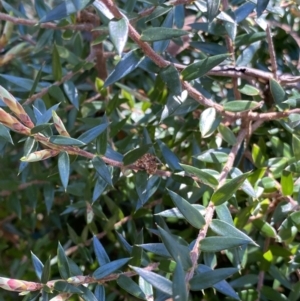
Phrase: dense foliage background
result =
(157, 154)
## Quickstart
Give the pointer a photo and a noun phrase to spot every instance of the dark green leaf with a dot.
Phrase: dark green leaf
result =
(102, 170)
(101, 254)
(64, 168)
(170, 76)
(156, 248)
(4, 134)
(261, 6)
(72, 93)
(170, 158)
(175, 249)
(201, 67)
(208, 279)
(225, 192)
(217, 243)
(118, 32)
(56, 64)
(109, 268)
(100, 186)
(93, 133)
(63, 264)
(161, 283)
(131, 287)
(127, 64)
(191, 214)
(278, 94)
(87, 295)
(46, 271)
(212, 9)
(63, 140)
(179, 285)
(161, 33)
(227, 134)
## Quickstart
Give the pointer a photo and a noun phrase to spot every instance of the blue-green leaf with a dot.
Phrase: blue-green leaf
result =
(93, 133)
(72, 93)
(131, 287)
(161, 33)
(63, 263)
(161, 283)
(38, 266)
(64, 168)
(217, 243)
(118, 32)
(109, 268)
(100, 252)
(179, 285)
(63, 140)
(102, 170)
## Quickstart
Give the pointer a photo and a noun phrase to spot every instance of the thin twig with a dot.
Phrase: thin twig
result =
(272, 52)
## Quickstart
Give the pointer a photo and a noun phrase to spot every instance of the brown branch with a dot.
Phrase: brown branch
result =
(272, 52)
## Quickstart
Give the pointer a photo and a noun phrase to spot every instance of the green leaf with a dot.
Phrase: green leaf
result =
(175, 213)
(179, 285)
(170, 76)
(249, 90)
(161, 33)
(63, 263)
(100, 186)
(40, 128)
(170, 158)
(46, 271)
(208, 279)
(156, 248)
(228, 230)
(201, 67)
(102, 170)
(118, 32)
(161, 283)
(100, 252)
(93, 133)
(56, 64)
(66, 287)
(191, 214)
(72, 93)
(278, 94)
(87, 295)
(296, 146)
(209, 121)
(217, 243)
(37, 264)
(212, 9)
(225, 192)
(136, 153)
(227, 134)
(204, 176)
(63, 140)
(131, 287)
(5, 134)
(265, 228)
(175, 249)
(287, 183)
(36, 81)
(261, 6)
(64, 168)
(109, 268)
(240, 105)
(222, 286)
(214, 156)
(127, 64)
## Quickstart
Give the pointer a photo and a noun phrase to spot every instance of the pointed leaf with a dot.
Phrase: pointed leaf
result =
(100, 186)
(127, 64)
(278, 94)
(131, 287)
(179, 285)
(227, 134)
(63, 264)
(227, 230)
(170, 158)
(201, 67)
(72, 93)
(225, 192)
(109, 268)
(66, 287)
(261, 6)
(102, 170)
(156, 248)
(175, 249)
(5, 134)
(217, 243)
(63, 140)
(118, 32)
(93, 133)
(170, 76)
(64, 168)
(161, 33)
(208, 279)
(212, 9)
(38, 266)
(46, 272)
(56, 64)
(191, 214)
(100, 252)
(161, 283)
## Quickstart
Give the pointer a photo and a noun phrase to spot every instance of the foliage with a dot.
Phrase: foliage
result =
(149, 150)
